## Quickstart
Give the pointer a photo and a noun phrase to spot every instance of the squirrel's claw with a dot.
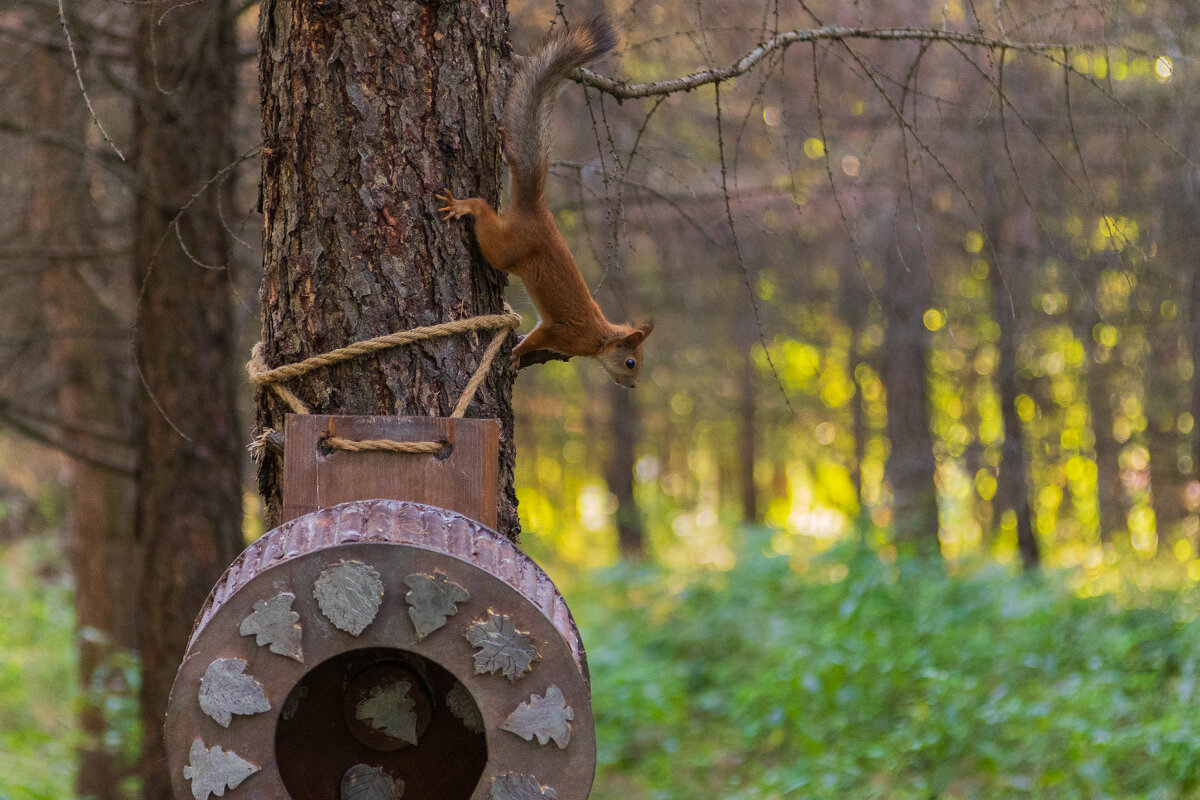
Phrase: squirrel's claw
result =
(451, 209)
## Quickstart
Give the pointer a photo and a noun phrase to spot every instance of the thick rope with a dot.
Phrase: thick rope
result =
(262, 375)
(381, 445)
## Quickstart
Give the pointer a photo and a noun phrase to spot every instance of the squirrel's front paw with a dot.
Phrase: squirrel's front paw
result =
(453, 208)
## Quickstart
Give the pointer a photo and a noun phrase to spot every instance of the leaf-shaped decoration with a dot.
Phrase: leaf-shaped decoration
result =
(544, 717)
(390, 709)
(511, 786)
(274, 623)
(364, 782)
(226, 690)
(432, 600)
(503, 648)
(292, 704)
(212, 771)
(349, 595)
(463, 706)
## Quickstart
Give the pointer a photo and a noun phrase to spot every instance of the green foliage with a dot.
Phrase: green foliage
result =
(37, 674)
(824, 676)
(856, 679)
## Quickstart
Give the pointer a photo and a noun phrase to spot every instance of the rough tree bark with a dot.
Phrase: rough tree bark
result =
(368, 110)
(189, 492)
(910, 465)
(93, 401)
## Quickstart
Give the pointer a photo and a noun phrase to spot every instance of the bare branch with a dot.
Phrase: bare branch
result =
(34, 433)
(62, 18)
(540, 357)
(626, 91)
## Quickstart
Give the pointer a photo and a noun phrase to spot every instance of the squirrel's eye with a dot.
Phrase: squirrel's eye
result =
(629, 362)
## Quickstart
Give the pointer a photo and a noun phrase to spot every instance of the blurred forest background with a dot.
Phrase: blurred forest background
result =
(907, 504)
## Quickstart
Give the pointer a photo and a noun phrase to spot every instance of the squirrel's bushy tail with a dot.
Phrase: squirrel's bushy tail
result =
(527, 115)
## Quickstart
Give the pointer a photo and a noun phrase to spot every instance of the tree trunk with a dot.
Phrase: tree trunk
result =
(624, 432)
(1010, 286)
(747, 445)
(910, 465)
(93, 400)
(1110, 492)
(189, 494)
(853, 302)
(1164, 402)
(1012, 487)
(368, 110)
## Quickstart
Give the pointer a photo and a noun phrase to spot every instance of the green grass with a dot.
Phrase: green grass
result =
(833, 677)
(860, 680)
(37, 674)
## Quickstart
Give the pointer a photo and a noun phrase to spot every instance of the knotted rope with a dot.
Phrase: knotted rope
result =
(272, 378)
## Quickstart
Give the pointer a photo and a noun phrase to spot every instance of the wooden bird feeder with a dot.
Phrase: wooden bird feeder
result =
(384, 648)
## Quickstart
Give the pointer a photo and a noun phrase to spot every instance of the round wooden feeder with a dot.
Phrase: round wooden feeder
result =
(377, 650)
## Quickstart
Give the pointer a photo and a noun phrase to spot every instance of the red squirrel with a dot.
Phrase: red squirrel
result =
(524, 240)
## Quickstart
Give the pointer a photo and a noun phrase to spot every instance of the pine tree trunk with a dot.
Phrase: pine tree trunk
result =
(93, 401)
(624, 432)
(369, 110)
(853, 302)
(1111, 497)
(910, 465)
(747, 445)
(1165, 399)
(1010, 287)
(189, 492)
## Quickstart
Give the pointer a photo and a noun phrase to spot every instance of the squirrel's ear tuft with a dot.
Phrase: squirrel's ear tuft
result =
(646, 328)
(633, 339)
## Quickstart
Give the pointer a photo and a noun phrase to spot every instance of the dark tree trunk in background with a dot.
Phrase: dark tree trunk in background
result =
(1185, 207)
(910, 465)
(1166, 389)
(1012, 483)
(189, 494)
(1166, 285)
(1181, 203)
(366, 116)
(624, 431)
(1110, 492)
(747, 444)
(93, 401)
(1009, 276)
(854, 300)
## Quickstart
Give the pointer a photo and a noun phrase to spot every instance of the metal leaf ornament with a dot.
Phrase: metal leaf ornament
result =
(463, 706)
(545, 717)
(512, 786)
(365, 782)
(274, 623)
(502, 648)
(390, 709)
(432, 600)
(349, 595)
(212, 770)
(226, 690)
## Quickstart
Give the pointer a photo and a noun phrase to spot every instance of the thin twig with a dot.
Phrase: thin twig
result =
(62, 18)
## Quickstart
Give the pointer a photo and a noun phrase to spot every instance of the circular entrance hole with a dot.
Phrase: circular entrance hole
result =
(383, 716)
